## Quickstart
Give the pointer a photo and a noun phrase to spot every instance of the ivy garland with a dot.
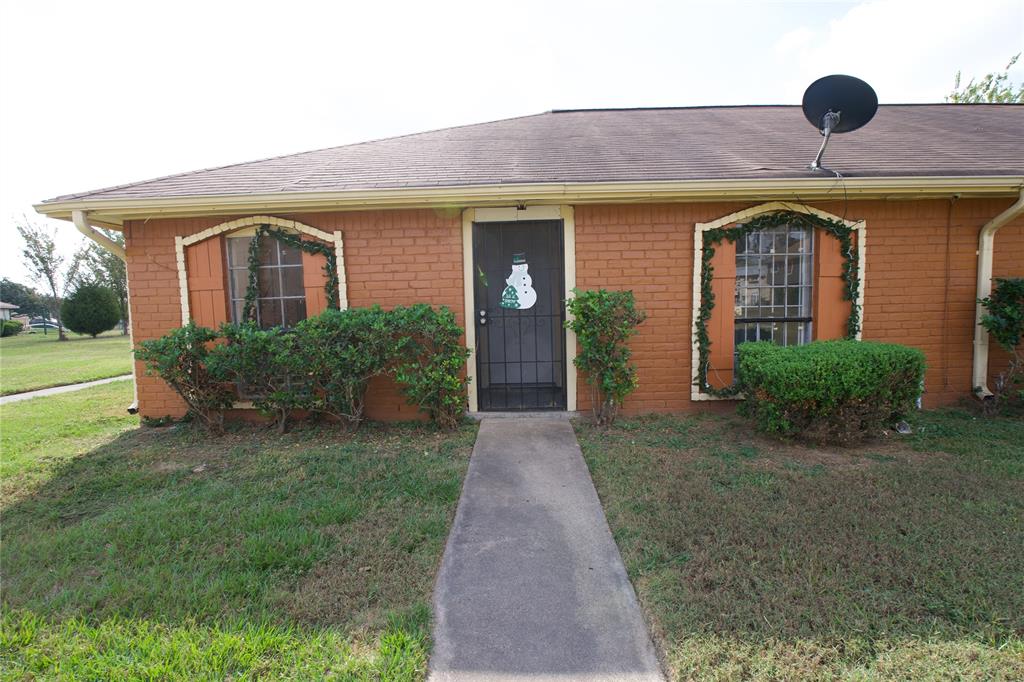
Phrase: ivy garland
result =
(764, 221)
(252, 288)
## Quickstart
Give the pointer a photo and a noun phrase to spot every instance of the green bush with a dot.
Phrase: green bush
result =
(604, 321)
(179, 358)
(10, 328)
(265, 368)
(340, 351)
(828, 391)
(92, 309)
(429, 362)
(324, 364)
(1004, 322)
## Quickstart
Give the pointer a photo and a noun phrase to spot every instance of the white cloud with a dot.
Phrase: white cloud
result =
(103, 92)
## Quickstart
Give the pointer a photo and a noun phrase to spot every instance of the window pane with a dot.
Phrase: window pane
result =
(239, 283)
(270, 313)
(290, 255)
(774, 269)
(291, 279)
(294, 311)
(238, 251)
(268, 251)
(270, 282)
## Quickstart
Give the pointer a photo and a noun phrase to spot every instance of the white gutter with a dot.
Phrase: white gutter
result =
(113, 212)
(986, 240)
(79, 218)
(81, 221)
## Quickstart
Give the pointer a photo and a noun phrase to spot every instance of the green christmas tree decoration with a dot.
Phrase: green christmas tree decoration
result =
(509, 298)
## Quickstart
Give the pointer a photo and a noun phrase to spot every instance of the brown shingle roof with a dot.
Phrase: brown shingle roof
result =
(622, 145)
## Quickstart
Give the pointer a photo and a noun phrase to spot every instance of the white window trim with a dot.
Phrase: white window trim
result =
(859, 226)
(242, 224)
(564, 213)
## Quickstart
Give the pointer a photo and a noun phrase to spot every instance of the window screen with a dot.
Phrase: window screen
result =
(282, 299)
(774, 273)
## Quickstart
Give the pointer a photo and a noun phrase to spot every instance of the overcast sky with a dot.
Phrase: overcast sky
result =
(96, 93)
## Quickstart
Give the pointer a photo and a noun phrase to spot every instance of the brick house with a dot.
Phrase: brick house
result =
(499, 221)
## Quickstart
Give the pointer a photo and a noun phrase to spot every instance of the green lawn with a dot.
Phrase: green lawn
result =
(31, 361)
(903, 559)
(165, 554)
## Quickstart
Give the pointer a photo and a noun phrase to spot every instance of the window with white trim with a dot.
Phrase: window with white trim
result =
(774, 286)
(281, 300)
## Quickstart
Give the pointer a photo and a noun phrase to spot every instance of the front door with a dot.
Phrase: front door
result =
(519, 293)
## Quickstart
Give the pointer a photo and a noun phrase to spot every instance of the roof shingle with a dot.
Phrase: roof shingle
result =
(623, 145)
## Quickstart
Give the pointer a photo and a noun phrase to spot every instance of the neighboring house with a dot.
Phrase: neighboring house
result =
(6, 310)
(620, 199)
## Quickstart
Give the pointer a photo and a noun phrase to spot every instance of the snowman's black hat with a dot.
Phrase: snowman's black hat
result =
(518, 258)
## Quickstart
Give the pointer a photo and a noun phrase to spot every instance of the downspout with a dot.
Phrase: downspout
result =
(986, 240)
(81, 221)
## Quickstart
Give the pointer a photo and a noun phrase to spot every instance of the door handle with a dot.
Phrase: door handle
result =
(483, 317)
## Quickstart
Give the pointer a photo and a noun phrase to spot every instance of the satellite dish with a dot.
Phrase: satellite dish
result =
(838, 104)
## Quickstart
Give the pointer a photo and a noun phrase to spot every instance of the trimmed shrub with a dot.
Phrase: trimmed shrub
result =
(324, 364)
(1004, 322)
(604, 321)
(340, 351)
(264, 367)
(429, 362)
(92, 309)
(10, 328)
(828, 391)
(179, 358)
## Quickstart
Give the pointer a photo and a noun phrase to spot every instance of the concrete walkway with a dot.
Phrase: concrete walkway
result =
(532, 586)
(15, 397)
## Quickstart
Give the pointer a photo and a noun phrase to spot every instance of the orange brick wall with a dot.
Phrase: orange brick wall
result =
(391, 258)
(649, 249)
(408, 256)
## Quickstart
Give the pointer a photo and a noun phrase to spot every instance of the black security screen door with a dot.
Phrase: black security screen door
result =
(519, 289)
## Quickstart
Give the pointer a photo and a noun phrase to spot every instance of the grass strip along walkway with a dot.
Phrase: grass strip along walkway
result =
(33, 361)
(163, 553)
(757, 560)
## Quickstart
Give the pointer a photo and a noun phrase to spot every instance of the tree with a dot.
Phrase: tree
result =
(994, 87)
(28, 300)
(1004, 321)
(100, 265)
(46, 266)
(92, 309)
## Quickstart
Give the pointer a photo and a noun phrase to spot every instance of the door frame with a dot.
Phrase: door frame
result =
(564, 213)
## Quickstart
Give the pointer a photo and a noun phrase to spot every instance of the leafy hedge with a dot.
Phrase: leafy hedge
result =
(829, 391)
(10, 328)
(323, 365)
(179, 358)
(604, 321)
(1004, 320)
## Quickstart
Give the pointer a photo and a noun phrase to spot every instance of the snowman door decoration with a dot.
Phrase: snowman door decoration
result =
(519, 294)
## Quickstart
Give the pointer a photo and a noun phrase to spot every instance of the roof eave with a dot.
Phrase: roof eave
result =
(113, 212)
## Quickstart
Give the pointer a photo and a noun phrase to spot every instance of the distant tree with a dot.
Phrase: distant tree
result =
(994, 87)
(47, 267)
(91, 309)
(99, 265)
(29, 301)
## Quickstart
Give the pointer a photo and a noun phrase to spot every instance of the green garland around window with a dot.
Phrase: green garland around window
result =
(252, 289)
(851, 267)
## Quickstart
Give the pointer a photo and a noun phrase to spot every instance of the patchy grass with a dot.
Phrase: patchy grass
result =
(40, 434)
(32, 361)
(900, 559)
(165, 554)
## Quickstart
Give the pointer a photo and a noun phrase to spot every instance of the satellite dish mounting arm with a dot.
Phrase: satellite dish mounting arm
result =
(828, 123)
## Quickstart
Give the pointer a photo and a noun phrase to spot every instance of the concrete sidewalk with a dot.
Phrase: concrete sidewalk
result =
(532, 585)
(55, 390)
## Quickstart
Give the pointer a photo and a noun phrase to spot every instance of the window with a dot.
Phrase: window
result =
(281, 300)
(774, 274)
